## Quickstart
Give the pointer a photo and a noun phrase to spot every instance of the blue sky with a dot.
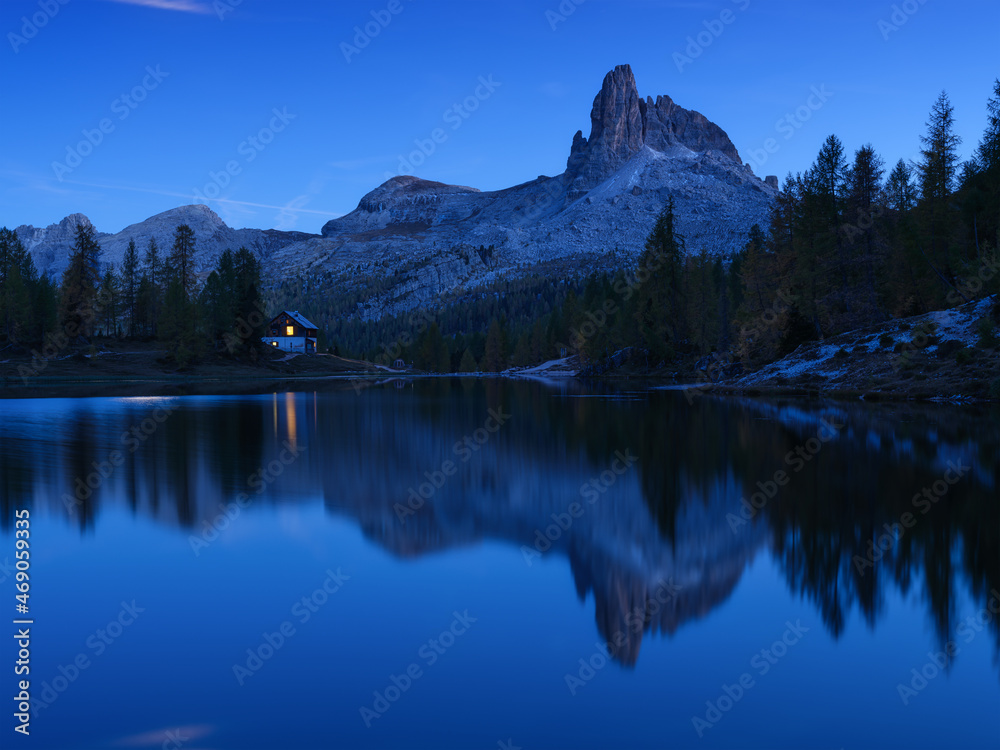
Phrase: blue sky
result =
(172, 93)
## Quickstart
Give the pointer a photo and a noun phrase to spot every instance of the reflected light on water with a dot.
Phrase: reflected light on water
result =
(290, 419)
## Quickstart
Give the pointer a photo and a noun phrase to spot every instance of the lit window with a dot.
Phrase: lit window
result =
(274, 343)
(289, 330)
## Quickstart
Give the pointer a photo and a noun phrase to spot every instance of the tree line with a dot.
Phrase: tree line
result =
(155, 297)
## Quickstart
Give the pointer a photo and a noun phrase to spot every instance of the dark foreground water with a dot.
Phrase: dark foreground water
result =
(468, 564)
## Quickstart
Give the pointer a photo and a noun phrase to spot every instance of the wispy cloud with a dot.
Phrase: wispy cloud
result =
(182, 6)
(289, 215)
(192, 199)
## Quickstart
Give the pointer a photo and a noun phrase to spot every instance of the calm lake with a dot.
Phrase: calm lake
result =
(493, 564)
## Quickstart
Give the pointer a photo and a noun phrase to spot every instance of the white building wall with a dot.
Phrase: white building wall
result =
(287, 343)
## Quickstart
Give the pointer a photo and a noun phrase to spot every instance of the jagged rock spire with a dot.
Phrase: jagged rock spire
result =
(621, 123)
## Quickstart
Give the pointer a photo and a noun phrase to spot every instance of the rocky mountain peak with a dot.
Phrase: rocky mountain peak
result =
(622, 124)
(71, 222)
(402, 200)
(616, 119)
(196, 215)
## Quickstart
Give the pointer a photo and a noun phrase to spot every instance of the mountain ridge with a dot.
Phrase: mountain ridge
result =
(419, 237)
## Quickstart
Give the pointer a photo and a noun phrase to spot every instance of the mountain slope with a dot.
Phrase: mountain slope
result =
(940, 354)
(597, 214)
(50, 246)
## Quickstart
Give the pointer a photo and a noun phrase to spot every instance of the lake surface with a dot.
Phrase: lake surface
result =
(492, 564)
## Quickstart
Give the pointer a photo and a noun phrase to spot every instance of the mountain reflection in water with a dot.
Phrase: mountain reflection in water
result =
(658, 540)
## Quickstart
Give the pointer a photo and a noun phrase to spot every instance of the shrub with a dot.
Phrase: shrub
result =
(963, 356)
(987, 334)
(841, 353)
(885, 340)
(995, 390)
(948, 347)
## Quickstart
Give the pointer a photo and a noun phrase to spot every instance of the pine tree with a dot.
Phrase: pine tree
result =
(179, 323)
(129, 283)
(865, 236)
(899, 188)
(468, 362)
(937, 171)
(938, 165)
(522, 350)
(181, 259)
(18, 283)
(432, 351)
(537, 346)
(46, 308)
(830, 176)
(660, 299)
(986, 182)
(79, 284)
(108, 298)
(906, 286)
(214, 314)
(757, 273)
(247, 301)
(494, 360)
(151, 287)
